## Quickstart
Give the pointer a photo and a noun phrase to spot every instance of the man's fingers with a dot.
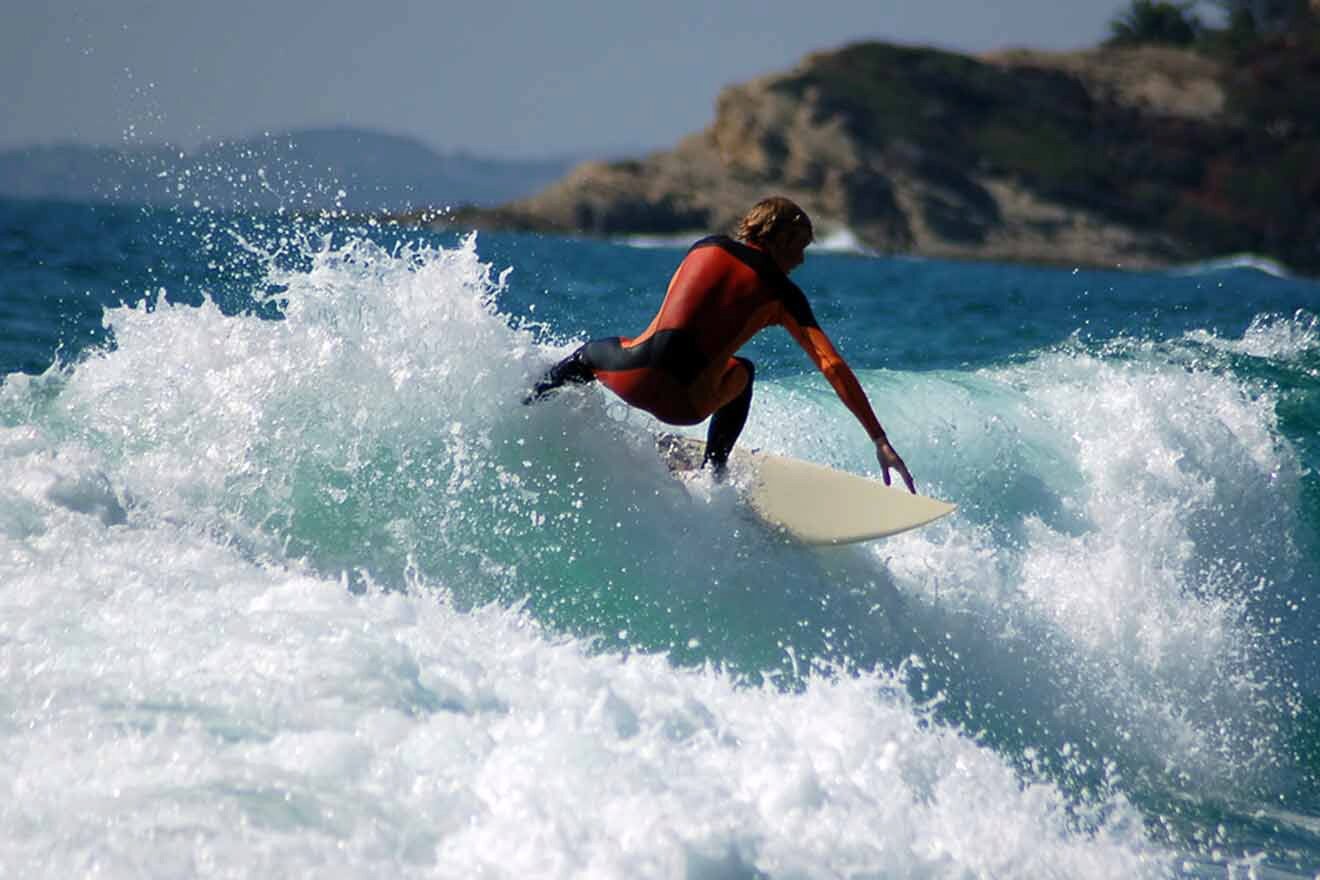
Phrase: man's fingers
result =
(889, 459)
(907, 478)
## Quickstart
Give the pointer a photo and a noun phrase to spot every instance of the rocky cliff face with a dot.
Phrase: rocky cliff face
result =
(1103, 157)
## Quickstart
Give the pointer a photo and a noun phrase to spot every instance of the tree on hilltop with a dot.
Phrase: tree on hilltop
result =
(1267, 16)
(1247, 22)
(1155, 21)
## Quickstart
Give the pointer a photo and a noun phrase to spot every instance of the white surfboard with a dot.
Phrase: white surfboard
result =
(812, 503)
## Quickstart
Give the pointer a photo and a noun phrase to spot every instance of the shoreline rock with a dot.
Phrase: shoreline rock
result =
(1102, 157)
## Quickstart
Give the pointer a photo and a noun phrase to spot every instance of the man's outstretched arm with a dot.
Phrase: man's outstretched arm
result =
(828, 360)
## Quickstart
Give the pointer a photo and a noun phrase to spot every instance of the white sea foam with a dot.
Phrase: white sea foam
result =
(1237, 261)
(841, 240)
(661, 242)
(1276, 337)
(1098, 579)
(1154, 589)
(188, 686)
(172, 708)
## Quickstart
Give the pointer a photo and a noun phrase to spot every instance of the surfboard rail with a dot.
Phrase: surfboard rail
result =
(813, 503)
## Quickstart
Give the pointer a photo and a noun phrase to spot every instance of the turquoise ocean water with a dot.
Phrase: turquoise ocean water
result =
(290, 582)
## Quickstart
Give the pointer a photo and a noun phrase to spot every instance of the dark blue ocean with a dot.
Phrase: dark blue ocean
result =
(291, 583)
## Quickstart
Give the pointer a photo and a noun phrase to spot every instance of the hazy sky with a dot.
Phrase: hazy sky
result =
(492, 76)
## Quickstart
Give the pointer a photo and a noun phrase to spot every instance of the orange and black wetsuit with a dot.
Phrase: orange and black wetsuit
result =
(682, 368)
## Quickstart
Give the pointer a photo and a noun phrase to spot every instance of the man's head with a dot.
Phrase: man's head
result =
(779, 227)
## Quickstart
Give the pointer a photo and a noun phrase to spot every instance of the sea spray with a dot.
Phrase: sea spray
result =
(264, 719)
(1123, 594)
(291, 578)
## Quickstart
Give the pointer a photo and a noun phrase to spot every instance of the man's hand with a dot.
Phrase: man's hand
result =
(888, 458)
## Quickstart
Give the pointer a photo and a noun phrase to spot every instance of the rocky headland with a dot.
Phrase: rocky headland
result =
(1127, 157)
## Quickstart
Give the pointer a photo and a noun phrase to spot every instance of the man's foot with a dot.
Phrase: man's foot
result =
(718, 469)
(538, 393)
(571, 370)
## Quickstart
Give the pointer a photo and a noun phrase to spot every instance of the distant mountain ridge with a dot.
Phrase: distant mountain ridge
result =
(349, 168)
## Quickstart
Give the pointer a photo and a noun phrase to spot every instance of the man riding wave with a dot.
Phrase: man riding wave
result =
(683, 368)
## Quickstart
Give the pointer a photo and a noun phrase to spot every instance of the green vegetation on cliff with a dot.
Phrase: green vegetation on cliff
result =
(1132, 155)
(1258, 184)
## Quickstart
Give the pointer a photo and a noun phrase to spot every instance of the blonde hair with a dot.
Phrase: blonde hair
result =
(770, 218)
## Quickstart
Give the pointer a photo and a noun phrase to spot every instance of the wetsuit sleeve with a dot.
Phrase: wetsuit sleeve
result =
(801, 323)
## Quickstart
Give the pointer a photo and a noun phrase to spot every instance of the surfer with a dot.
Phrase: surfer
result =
(682, 369)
